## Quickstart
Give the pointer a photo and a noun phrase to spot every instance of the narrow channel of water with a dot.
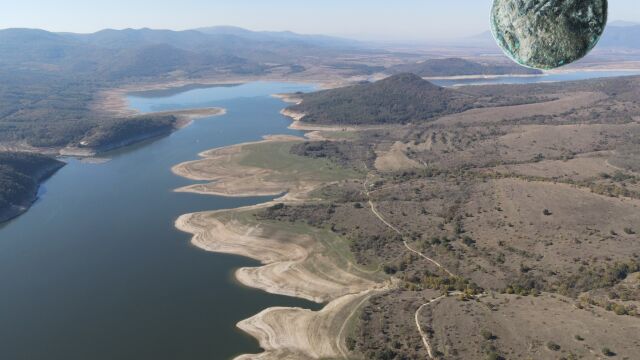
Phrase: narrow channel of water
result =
(96, 270)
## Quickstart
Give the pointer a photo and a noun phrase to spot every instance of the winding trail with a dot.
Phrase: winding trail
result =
(339, 342)
(423, 335)
(428, 258)
(425, 340)
(406, 244)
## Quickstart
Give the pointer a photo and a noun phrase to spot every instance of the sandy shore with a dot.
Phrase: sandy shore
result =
(186, 117)
(288, 98)
(295, 333)
(228, 178)
(293, 264)
(114, 101)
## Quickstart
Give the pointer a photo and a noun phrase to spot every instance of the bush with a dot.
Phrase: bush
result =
(487, 335)
(351, 343)
(469, 241)
(607, 352)
(619, 309)
(386, 354)
(390, 269)
(553, 346)
(278, 206)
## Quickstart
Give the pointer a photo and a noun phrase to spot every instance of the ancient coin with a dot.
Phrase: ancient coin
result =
(546, 34)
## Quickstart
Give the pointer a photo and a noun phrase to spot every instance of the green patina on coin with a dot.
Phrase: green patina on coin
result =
(546, 34)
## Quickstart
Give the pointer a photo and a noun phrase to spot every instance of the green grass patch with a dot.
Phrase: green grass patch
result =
(276, 156)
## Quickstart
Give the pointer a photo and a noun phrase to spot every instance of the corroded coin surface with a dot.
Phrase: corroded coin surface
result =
(546, 34)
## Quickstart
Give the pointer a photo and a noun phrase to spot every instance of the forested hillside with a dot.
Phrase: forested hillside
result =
(460, 67)
(398, 99)
(20, 177)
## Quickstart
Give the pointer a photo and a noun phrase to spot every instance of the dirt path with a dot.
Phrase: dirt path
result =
(339, 343)
(423, 335)
(425, 339)
(377, 214)
(428, 258)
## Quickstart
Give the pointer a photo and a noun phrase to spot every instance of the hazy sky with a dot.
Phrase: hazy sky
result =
(365, 19)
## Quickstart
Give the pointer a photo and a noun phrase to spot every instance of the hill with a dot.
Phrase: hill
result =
(460, 67)
(20, 177)
(398, 99)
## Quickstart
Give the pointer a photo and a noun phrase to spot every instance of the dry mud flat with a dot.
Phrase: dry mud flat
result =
(284, 332)
(228, 177)
(294, 265)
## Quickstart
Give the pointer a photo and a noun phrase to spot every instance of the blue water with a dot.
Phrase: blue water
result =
(568, 76)
(96, 270)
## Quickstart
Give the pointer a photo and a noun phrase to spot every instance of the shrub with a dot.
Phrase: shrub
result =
(629, 231)
(386, 354)
(390, 269)
(579, 338)
(469, 241)
(553, 346)
(619, 309)
(487, 335)
(278, 206)
(351, 343)
(607, 352)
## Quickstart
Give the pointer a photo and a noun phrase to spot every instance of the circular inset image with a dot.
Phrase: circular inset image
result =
(546, 34)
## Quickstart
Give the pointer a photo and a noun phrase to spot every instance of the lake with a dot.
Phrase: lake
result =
(96, 270)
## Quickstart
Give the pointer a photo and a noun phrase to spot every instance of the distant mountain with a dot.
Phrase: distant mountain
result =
(459, 67)
(483, 39)
(129, 38)
(19, 46)
(627, 36)
(400, 98)
(114, 54)
(618, 34)
(280, 36)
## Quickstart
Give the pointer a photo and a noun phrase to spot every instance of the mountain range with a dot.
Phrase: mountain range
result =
(116, 54)
(618, 34)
